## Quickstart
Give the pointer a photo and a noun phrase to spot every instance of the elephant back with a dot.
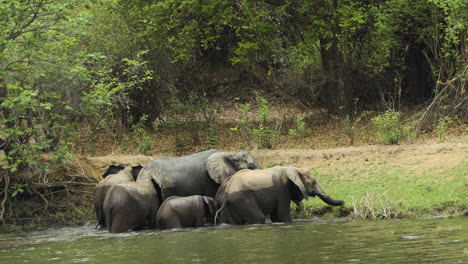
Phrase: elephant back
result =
(174, 173)
(122, 176)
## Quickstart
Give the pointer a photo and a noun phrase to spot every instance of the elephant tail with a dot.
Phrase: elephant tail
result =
(219, 210)
(108, 213)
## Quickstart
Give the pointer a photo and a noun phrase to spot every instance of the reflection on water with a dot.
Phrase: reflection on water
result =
(395, 241)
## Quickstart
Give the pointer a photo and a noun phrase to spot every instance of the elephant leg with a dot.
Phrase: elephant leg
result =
(282, 212)
(200, 221)
(125, 220)
(169, 223)
(226, 218)
(248, 210)
(118, 223)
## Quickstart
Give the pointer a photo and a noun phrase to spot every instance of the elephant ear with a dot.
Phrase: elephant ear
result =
(294, 174)
(136, 170)
(112, 169)
(221, 165)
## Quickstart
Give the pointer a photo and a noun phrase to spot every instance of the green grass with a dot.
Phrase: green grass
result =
(387, 191)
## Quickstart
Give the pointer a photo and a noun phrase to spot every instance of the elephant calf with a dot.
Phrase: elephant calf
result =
(190, 211)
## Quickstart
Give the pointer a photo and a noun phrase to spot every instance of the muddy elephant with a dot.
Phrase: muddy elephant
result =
(114, 174)
(249, 196)
(197, 174)
(189, 211)
(132, 205)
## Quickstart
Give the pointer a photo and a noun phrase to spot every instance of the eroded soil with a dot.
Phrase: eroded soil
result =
(416, 157)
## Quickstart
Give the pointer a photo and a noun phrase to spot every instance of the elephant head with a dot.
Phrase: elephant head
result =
(307, 186)
(222, 165)
(210, 208)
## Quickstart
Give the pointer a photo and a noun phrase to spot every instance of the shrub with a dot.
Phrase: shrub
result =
(141, 137)
(300, 128)
(387, 127)
(442, 127)
(264, 134)
(243, 127)
(211, 136)
(347, 127)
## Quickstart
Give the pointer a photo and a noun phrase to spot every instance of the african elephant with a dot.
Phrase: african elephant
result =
(132, 205)
(114, 174)
(190, 211)
(249, 196)
(197, 174)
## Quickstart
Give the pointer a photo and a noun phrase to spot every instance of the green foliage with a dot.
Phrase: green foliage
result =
(244, 126)
(32, 70)
(109, 88)
(300, 129)
(141, 138)
(212, 133)
(348, 129)
(179, 144)
(442, 127)
(271, 165)
(185, 115)
(264, 133)
(16, 189)
(387, 127)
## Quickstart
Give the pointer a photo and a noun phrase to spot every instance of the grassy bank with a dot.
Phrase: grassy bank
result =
(390, 189)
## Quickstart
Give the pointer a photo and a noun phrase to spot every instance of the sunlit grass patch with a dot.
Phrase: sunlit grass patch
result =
(389, 191)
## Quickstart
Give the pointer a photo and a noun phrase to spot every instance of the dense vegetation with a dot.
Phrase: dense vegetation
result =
(72, 69)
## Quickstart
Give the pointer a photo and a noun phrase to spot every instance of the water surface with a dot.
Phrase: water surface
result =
(391, 241)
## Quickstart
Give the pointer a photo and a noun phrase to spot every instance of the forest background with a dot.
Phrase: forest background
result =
(178, 76)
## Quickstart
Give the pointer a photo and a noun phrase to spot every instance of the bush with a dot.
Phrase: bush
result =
(264, 134)
(141, 137)
(300, 128)
(387, 127)
(211, 136)
(442, 127)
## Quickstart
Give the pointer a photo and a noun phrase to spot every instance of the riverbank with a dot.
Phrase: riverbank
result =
(376, 181)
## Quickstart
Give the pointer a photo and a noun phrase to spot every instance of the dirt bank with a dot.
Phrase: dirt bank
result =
(412, 157)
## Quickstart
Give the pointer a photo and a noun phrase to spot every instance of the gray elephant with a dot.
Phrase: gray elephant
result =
(132, 205)
(249, 196)
(114, 174)
(197, 174)
(190, 211)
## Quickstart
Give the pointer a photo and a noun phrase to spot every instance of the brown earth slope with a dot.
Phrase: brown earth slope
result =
(412, 157)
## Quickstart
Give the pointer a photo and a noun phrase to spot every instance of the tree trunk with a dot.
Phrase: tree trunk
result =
(336, 91)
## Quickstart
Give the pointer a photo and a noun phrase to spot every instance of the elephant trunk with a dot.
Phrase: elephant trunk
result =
(329, 200)
(322, 195)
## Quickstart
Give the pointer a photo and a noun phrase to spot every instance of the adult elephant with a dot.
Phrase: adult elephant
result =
(249, 196)
(132, 205)
(189, 211)
(197, 174)
(114, 174)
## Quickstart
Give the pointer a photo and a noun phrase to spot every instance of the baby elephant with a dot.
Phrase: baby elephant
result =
(190, 211)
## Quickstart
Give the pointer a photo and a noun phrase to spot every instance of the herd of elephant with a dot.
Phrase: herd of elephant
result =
(203, 188)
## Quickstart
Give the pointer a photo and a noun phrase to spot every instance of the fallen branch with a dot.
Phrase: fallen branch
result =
(46, 202)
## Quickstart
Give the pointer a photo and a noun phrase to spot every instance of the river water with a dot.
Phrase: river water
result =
(389, 241)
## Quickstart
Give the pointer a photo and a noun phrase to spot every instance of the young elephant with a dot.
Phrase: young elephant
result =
(249, 196)
(190, 211)
(114, 174)
(132, 205)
